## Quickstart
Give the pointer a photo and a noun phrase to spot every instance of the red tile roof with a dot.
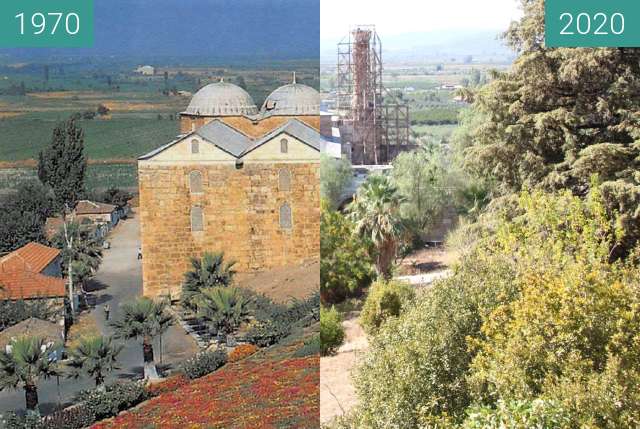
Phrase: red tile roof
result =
(22, 284)
(33, 257)
(90, 207)
(20, 273)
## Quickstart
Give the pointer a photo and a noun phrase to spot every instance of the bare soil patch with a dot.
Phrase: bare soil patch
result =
(337, 392)
(283, 284)
(426, 260)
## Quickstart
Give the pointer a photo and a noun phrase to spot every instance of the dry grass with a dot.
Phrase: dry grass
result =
(84, 326)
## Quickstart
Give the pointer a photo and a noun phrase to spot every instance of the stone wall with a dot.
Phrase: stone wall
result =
(241, 218)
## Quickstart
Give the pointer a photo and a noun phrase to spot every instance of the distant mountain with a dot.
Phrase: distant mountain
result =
(434, 46)
(224, 29)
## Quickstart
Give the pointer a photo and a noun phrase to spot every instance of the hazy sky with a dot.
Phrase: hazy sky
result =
(409, 16)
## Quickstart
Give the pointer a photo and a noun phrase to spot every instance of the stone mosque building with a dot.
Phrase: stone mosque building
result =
(239, 179)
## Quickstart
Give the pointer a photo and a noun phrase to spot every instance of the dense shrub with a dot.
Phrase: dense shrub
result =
(242, 351)
(115, 398)
(310, 347)
(385, 300)
(535, 311)
(77, 417)
(345, 266)
(266, 333)
(331, 330)
(14, 421)
(518, 415)
(275, 322)
(204, 363)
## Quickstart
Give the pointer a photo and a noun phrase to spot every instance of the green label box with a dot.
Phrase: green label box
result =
(46, 23)
(592, 23)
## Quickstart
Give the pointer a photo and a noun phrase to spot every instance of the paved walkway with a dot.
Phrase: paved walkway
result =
(424, 279)
(118, 280)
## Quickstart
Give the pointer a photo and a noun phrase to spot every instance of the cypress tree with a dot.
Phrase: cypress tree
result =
(62, 165)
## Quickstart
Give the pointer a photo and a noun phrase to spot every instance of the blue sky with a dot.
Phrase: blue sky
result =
(280, 29)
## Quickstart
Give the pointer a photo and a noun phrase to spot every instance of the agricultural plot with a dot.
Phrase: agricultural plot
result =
(99, 177)
(123, 137)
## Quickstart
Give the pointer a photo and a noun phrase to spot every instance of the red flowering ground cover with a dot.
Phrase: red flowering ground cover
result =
(270, 389)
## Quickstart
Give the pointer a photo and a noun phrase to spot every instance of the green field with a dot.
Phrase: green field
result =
(120, 137)
(99, 177)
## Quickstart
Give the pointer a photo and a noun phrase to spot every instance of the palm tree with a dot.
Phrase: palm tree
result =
(79, 246)
(210, 271)
(223, 308)
(144, 319)
(26, 361)
(94, 356)
(375, 212)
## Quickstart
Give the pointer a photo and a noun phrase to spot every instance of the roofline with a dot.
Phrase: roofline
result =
(281, 130)
(254, 143)
(166, 146)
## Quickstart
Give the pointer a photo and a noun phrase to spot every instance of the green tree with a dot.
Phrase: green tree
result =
(210, 271)
(375, 212)
(62, 164)
(81, 251)
(94, 356)
(13, 312)
(345, 266)
(23, 216)
(27, 361)
(335, 176)
(560, 115)
(223, 308)
(116, 196)
(423, 178)
(144, 319)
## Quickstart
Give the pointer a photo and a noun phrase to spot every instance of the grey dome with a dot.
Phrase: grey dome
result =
(293, 99)
(221, 99)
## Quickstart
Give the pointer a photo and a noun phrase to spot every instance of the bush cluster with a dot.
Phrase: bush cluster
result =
(242, 351)
(311, 347)
(115, 398)
(204, 363)
(537, 327)
(345, 265)
(385, 299)
(331, 330)
(275, 322)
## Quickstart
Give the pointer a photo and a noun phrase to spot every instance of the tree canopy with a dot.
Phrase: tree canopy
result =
(560, 116)
(62, 164)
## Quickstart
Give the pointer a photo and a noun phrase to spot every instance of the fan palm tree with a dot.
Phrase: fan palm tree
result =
(144, 319)
(224, 308)
(84, 249)
(375, 212)
(210, 271)
(94, 356)
(27, 360)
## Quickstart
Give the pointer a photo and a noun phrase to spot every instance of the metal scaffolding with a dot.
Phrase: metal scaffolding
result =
(373, 121)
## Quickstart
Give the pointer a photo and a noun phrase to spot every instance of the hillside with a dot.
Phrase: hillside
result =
(271, 389)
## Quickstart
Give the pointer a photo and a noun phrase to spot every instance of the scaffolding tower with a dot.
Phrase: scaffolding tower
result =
(373, 121)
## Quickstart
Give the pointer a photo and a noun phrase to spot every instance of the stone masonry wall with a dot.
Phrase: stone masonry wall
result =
(241, 218)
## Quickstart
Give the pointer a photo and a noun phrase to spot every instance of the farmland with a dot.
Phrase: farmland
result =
(141, 110)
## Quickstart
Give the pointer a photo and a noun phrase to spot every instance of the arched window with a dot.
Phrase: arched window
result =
(197, 219)
(284, 180)
(195, 182)
(285, 216)
(284, 146)
(195, 146)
